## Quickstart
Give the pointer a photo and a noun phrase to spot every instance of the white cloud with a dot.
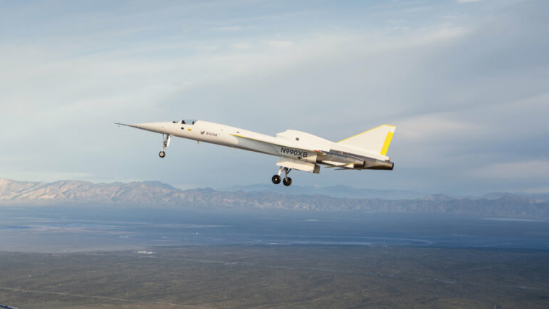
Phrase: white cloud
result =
(519, 170)
(45, 175)
(452, 15)
(437, 127)
(207, 48)
(280, 44)
(241, 46)
(395, 21)
(537, 190)
(467, 1)
(443, 81)
(228, 28)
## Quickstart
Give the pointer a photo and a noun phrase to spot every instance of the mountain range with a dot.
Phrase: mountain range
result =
(339, 191)
(152, 193)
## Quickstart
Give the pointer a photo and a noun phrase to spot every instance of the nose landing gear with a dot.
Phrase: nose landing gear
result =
(165, 143)
(287, 181)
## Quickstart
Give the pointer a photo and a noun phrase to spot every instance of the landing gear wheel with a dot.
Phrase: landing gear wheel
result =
(287, 181)
(162, 154)
(276, 179)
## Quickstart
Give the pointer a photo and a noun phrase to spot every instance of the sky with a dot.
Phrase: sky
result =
(466, 83)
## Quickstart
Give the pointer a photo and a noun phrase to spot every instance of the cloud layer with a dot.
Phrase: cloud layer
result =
(465, 84)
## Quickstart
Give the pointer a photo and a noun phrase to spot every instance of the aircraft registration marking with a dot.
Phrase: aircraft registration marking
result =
(298, 153)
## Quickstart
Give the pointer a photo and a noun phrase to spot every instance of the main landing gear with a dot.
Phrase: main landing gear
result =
(287, 181)
(165, 143)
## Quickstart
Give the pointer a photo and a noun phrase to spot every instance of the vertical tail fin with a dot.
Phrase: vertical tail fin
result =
(376, 140)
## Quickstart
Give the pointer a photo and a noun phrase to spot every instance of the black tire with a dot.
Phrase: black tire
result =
(162, 154)
(276, 179)
(287, 181)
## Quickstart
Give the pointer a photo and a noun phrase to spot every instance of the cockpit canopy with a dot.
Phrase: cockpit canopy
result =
(185, 121)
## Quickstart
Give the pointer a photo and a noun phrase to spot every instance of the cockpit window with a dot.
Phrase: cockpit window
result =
(186, 121)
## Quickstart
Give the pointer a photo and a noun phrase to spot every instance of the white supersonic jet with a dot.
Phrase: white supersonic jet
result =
(294, 149)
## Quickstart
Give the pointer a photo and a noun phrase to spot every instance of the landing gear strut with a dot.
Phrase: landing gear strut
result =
(165, 143)
(287, 181)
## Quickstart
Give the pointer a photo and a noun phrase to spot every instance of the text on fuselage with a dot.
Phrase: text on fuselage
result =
(207, 133)
(298, 153)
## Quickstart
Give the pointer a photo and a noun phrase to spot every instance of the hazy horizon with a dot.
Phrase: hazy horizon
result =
(295, 189)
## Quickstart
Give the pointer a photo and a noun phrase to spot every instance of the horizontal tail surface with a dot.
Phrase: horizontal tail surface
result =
(376, 140)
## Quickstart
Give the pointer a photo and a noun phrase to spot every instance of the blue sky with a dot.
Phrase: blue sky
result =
(465, 82)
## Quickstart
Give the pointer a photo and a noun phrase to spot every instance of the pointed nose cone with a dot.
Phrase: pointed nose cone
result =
(154, 127)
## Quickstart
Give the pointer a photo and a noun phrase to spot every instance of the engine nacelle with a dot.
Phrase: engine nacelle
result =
(339, 158)
(354, 161)
(377, 164)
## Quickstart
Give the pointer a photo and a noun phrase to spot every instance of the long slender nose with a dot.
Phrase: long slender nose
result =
(154, 127)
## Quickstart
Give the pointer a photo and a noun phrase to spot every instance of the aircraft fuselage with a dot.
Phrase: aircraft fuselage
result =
(291, 144)
(295, 149)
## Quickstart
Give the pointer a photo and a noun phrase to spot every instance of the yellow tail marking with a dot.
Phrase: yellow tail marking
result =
(358, 134)
(386, 143)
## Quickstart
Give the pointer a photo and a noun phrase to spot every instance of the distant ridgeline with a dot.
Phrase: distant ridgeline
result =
(159, 194)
